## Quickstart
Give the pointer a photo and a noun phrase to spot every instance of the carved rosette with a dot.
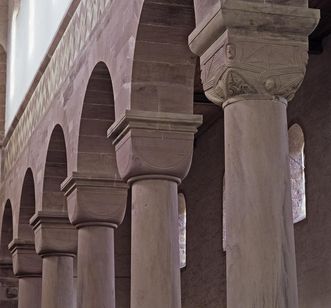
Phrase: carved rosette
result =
(267, 56)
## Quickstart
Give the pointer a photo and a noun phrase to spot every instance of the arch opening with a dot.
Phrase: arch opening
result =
(96, 154)
(6, 234)
(27, 207)
(8, 282)
(55, 172)
(163, 68)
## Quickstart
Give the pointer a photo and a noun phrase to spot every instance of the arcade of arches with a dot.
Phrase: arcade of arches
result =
(112, 170)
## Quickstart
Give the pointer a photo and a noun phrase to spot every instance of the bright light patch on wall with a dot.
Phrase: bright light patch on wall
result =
(13, 53)
(297, 172)
(182, 229)
(31, 42)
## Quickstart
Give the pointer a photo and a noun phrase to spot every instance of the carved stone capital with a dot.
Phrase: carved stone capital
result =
(95, 200)
(54, 234)
(154, 144)
(26, 261)
(250, 48)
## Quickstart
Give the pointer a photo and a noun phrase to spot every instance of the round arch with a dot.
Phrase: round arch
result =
(164, 67)
(55, 172)
(8, 282)
(6, 233)
(27, 207)
(96, 154)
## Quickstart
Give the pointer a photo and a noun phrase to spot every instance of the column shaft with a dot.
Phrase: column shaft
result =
(29, 292)
(57, 282)
(261, 269)
(155, 273)
(96, 272)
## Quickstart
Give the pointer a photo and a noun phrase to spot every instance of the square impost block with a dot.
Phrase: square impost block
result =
(26, 261)
(249, 48)
(154, 143)
(95, 200)
(54, 234)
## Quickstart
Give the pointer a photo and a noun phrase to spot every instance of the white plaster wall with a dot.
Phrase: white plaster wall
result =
(32, 28)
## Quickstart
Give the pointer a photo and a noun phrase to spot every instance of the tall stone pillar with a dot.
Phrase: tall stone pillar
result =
(56, 243)
(96, 206)
(253, 58)
(27, 267)
(154, 152)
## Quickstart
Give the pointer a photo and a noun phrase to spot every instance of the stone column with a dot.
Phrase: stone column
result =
(27, 267)
(154, 152)
(253, 58)
(96, 206)
(56, 243)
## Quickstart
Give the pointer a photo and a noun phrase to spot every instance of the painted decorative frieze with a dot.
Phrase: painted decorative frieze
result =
(84, 20)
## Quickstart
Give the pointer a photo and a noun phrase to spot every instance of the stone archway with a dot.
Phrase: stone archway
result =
(97, 201)
(27, 208)
(27, 264)
(55, 237)
(8, 282)
(96, 155)
(163, 68)
(55, 172)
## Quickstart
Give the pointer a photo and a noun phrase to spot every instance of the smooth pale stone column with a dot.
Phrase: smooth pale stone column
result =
(253, 71)
(58, 288)
(56, 242)
(155, 272)
(154, 153)
(96, 206)
(29, 292)
(261, 267)
(27, 266)
(96, 270)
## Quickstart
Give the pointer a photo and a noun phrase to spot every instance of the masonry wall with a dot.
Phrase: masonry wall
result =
(203, 279)
(312, 110)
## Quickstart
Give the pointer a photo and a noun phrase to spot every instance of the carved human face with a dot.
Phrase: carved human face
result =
(230, 51)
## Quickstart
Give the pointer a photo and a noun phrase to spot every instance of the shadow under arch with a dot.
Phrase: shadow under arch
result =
(8, 282)
(96, 154)
(163, 68)
(27, 207)
(55, 172)
(6, 233)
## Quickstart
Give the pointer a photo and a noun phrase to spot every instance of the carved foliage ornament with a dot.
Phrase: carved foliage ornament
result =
(236, 66)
